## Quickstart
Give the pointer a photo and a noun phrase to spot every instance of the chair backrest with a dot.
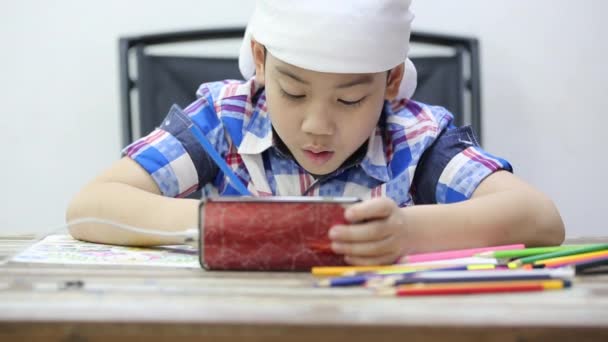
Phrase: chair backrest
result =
(166, 79)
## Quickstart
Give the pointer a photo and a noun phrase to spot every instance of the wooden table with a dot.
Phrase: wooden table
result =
(110, 303)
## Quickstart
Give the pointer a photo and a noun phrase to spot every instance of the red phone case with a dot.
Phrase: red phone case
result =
(269, 234)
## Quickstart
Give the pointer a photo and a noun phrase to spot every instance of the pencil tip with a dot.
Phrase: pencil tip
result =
(514, 264)
(386, 291)
(324, 283)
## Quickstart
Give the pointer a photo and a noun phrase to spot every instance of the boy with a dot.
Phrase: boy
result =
(327, 112)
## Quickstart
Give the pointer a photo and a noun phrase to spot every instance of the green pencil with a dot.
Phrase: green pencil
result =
(567, 252)
(520, 253)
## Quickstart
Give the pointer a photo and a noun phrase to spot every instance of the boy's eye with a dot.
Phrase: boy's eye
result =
(352, 103)
(291, 96)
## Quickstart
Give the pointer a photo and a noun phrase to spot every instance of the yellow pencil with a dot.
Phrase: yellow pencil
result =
(451, 267)
(333, 271)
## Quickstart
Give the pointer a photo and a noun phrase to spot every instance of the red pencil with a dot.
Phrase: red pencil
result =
(471, 288)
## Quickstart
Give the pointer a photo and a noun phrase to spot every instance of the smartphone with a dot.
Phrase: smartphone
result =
(269, 233)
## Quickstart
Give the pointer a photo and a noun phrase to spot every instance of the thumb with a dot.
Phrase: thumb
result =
(375, 208)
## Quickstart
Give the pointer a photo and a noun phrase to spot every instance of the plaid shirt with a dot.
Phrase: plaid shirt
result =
(414, 156)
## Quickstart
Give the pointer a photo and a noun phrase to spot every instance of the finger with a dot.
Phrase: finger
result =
(369, 231)
(366, 249)
(374, 208)
(388, 259)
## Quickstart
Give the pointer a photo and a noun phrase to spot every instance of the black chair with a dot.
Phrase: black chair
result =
(157, 80)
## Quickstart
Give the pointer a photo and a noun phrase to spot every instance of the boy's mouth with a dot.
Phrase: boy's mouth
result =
(317, 156)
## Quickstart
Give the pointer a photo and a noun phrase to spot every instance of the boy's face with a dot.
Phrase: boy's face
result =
(322, 118)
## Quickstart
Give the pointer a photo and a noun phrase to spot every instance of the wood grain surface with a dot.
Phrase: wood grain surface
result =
(114, 303)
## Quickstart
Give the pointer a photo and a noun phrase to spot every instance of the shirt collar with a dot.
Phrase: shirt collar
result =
(258, 137)
(374, 164)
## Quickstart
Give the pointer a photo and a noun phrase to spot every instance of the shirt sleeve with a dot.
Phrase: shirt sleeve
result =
(172, 155)
(453, 167)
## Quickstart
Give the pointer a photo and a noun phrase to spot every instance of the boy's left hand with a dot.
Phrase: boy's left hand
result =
(376, 236)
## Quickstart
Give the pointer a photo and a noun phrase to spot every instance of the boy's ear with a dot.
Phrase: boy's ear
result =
(393, 83)
(258, 51)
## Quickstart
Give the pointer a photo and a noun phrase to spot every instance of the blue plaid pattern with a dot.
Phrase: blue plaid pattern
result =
(415, 156)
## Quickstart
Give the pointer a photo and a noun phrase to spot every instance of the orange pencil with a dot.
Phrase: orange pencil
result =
(571, 258)
(574, 263)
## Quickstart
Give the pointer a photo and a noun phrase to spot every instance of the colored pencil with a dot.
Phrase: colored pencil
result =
(592, 266)
(386, 277)
(574, 251)
(377, 277)
(469, 276)
(455, 262)
(454, 254)
(333, 271)
(571, 258)
(449, 268)
(496, 273)
(336, 271)
(520, 253)
(594, 271)
(356, 280)
(567, 282)
(582, 265)
(473, 288)
(479, 279)
(219, 161)
(412, 268)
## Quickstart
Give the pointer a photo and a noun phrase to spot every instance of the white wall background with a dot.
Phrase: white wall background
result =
(544, 87)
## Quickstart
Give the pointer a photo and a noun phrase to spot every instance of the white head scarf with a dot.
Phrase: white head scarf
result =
(338, 36)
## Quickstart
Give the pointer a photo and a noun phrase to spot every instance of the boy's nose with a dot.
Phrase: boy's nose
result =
(318, 122)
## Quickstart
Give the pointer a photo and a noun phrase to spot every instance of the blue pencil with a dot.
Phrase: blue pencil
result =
(415, 280)
(355, 280)
(219, 161)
